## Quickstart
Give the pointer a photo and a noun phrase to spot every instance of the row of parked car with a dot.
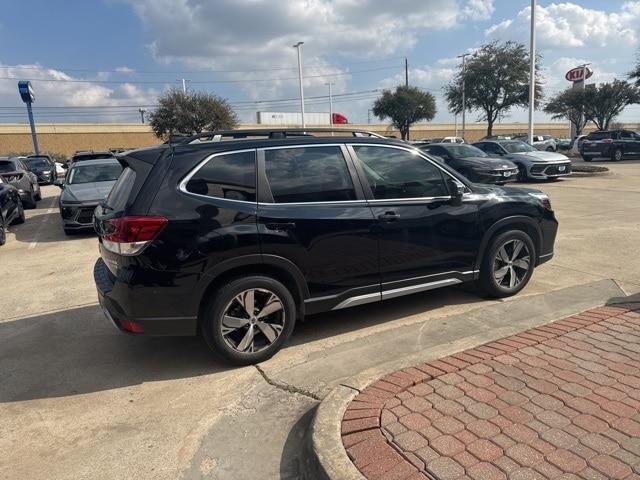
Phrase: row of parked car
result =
(500, 161)
(85, 181)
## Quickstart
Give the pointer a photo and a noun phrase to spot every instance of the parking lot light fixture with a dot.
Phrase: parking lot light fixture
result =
(532, 71)
(298, 46)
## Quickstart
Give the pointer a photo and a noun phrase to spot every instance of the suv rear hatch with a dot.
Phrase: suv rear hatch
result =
(121, 221)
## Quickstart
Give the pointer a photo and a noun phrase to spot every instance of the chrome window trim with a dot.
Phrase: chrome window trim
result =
(182, 186)
(328, 204)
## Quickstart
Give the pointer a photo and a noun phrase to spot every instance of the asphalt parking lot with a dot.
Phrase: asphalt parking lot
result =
(80, 400)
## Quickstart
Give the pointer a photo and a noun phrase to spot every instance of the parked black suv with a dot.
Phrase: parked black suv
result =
(613, 144)
(237, 239)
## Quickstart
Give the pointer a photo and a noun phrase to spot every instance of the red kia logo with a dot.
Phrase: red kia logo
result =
(578, 74)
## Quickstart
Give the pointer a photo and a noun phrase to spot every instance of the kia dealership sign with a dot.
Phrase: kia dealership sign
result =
(578, 74)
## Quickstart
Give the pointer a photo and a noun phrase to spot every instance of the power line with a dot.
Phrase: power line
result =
(179, 72)
(199, 82)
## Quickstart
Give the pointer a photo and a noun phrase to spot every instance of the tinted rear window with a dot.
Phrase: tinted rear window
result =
(599, 136)
(92, 156)
(231, 176)
(313, 174)
(121, 190)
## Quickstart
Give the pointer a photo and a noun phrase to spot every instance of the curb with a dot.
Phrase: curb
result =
(329, 458)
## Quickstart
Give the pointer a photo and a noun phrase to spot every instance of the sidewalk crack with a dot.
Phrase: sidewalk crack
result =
(286, 387)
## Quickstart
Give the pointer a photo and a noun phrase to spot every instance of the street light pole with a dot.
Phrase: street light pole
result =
(330, 103)
(464, 92)
(298, 46)
(532, 72)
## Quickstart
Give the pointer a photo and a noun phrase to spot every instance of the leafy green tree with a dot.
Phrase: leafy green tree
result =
(496, 80)
(635, 73)
(189, 113)
(604, 102)
(405, 106)
(568, 104)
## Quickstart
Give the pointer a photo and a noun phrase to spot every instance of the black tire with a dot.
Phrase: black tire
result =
(20, 218)
(551, 149)
(212, 320)
(487, 282)
(586, 158)
(3, 231)
(30, 202)
(522, 173)
(69, 231)
(38, 194)
(618, 155)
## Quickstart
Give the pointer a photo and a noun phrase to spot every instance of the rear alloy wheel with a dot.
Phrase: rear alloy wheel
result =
(617, 155)
(3, 231)
(508, 264)
(30, 201)
(249, 319)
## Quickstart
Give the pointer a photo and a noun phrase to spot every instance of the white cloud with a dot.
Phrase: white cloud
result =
(125, 69)
(258, 34)
(568, 25)
(72, 93)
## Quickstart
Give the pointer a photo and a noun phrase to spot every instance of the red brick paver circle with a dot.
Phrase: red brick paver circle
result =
(557, 401)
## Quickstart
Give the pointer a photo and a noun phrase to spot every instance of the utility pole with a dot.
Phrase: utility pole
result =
(184, 85)
(464, 93)
(406, 72)
(142, 112)
(532, 72)
(368, 115)
(330, 103)
(298, 46)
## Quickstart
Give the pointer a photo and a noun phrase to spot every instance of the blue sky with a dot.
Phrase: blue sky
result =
(121, 54)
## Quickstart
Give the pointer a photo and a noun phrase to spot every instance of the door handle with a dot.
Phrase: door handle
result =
(281, 227)
(389, 217)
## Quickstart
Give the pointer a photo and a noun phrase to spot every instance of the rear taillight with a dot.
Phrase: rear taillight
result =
(129, 235)
(132, 327)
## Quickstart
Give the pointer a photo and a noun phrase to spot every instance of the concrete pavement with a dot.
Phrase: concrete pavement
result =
(81, 401)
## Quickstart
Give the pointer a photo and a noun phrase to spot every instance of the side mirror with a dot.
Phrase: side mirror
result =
(59, 183)
(457, 190)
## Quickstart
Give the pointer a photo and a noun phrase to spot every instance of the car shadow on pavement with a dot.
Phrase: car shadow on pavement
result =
(78, 351)
(46, 227)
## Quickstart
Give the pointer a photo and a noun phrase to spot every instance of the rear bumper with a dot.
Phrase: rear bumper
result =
(115, 300)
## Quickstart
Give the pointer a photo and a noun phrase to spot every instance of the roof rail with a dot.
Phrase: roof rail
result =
(269, 133)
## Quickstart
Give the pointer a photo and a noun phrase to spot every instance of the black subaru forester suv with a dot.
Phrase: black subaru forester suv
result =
(237, 235)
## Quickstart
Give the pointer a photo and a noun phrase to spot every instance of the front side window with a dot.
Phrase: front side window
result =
(393, 173)
(231, 176)
(308, 174)
(492, 148)
(626, 135)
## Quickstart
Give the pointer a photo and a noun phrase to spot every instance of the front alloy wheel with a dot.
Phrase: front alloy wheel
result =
(507, 264)
(617, 155)
(511, 264)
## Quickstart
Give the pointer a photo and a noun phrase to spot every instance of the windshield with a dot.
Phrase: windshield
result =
(7, 166)
(599, 136)
(464, 151)
(94, 173)
(36, 162)
(517, 147)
